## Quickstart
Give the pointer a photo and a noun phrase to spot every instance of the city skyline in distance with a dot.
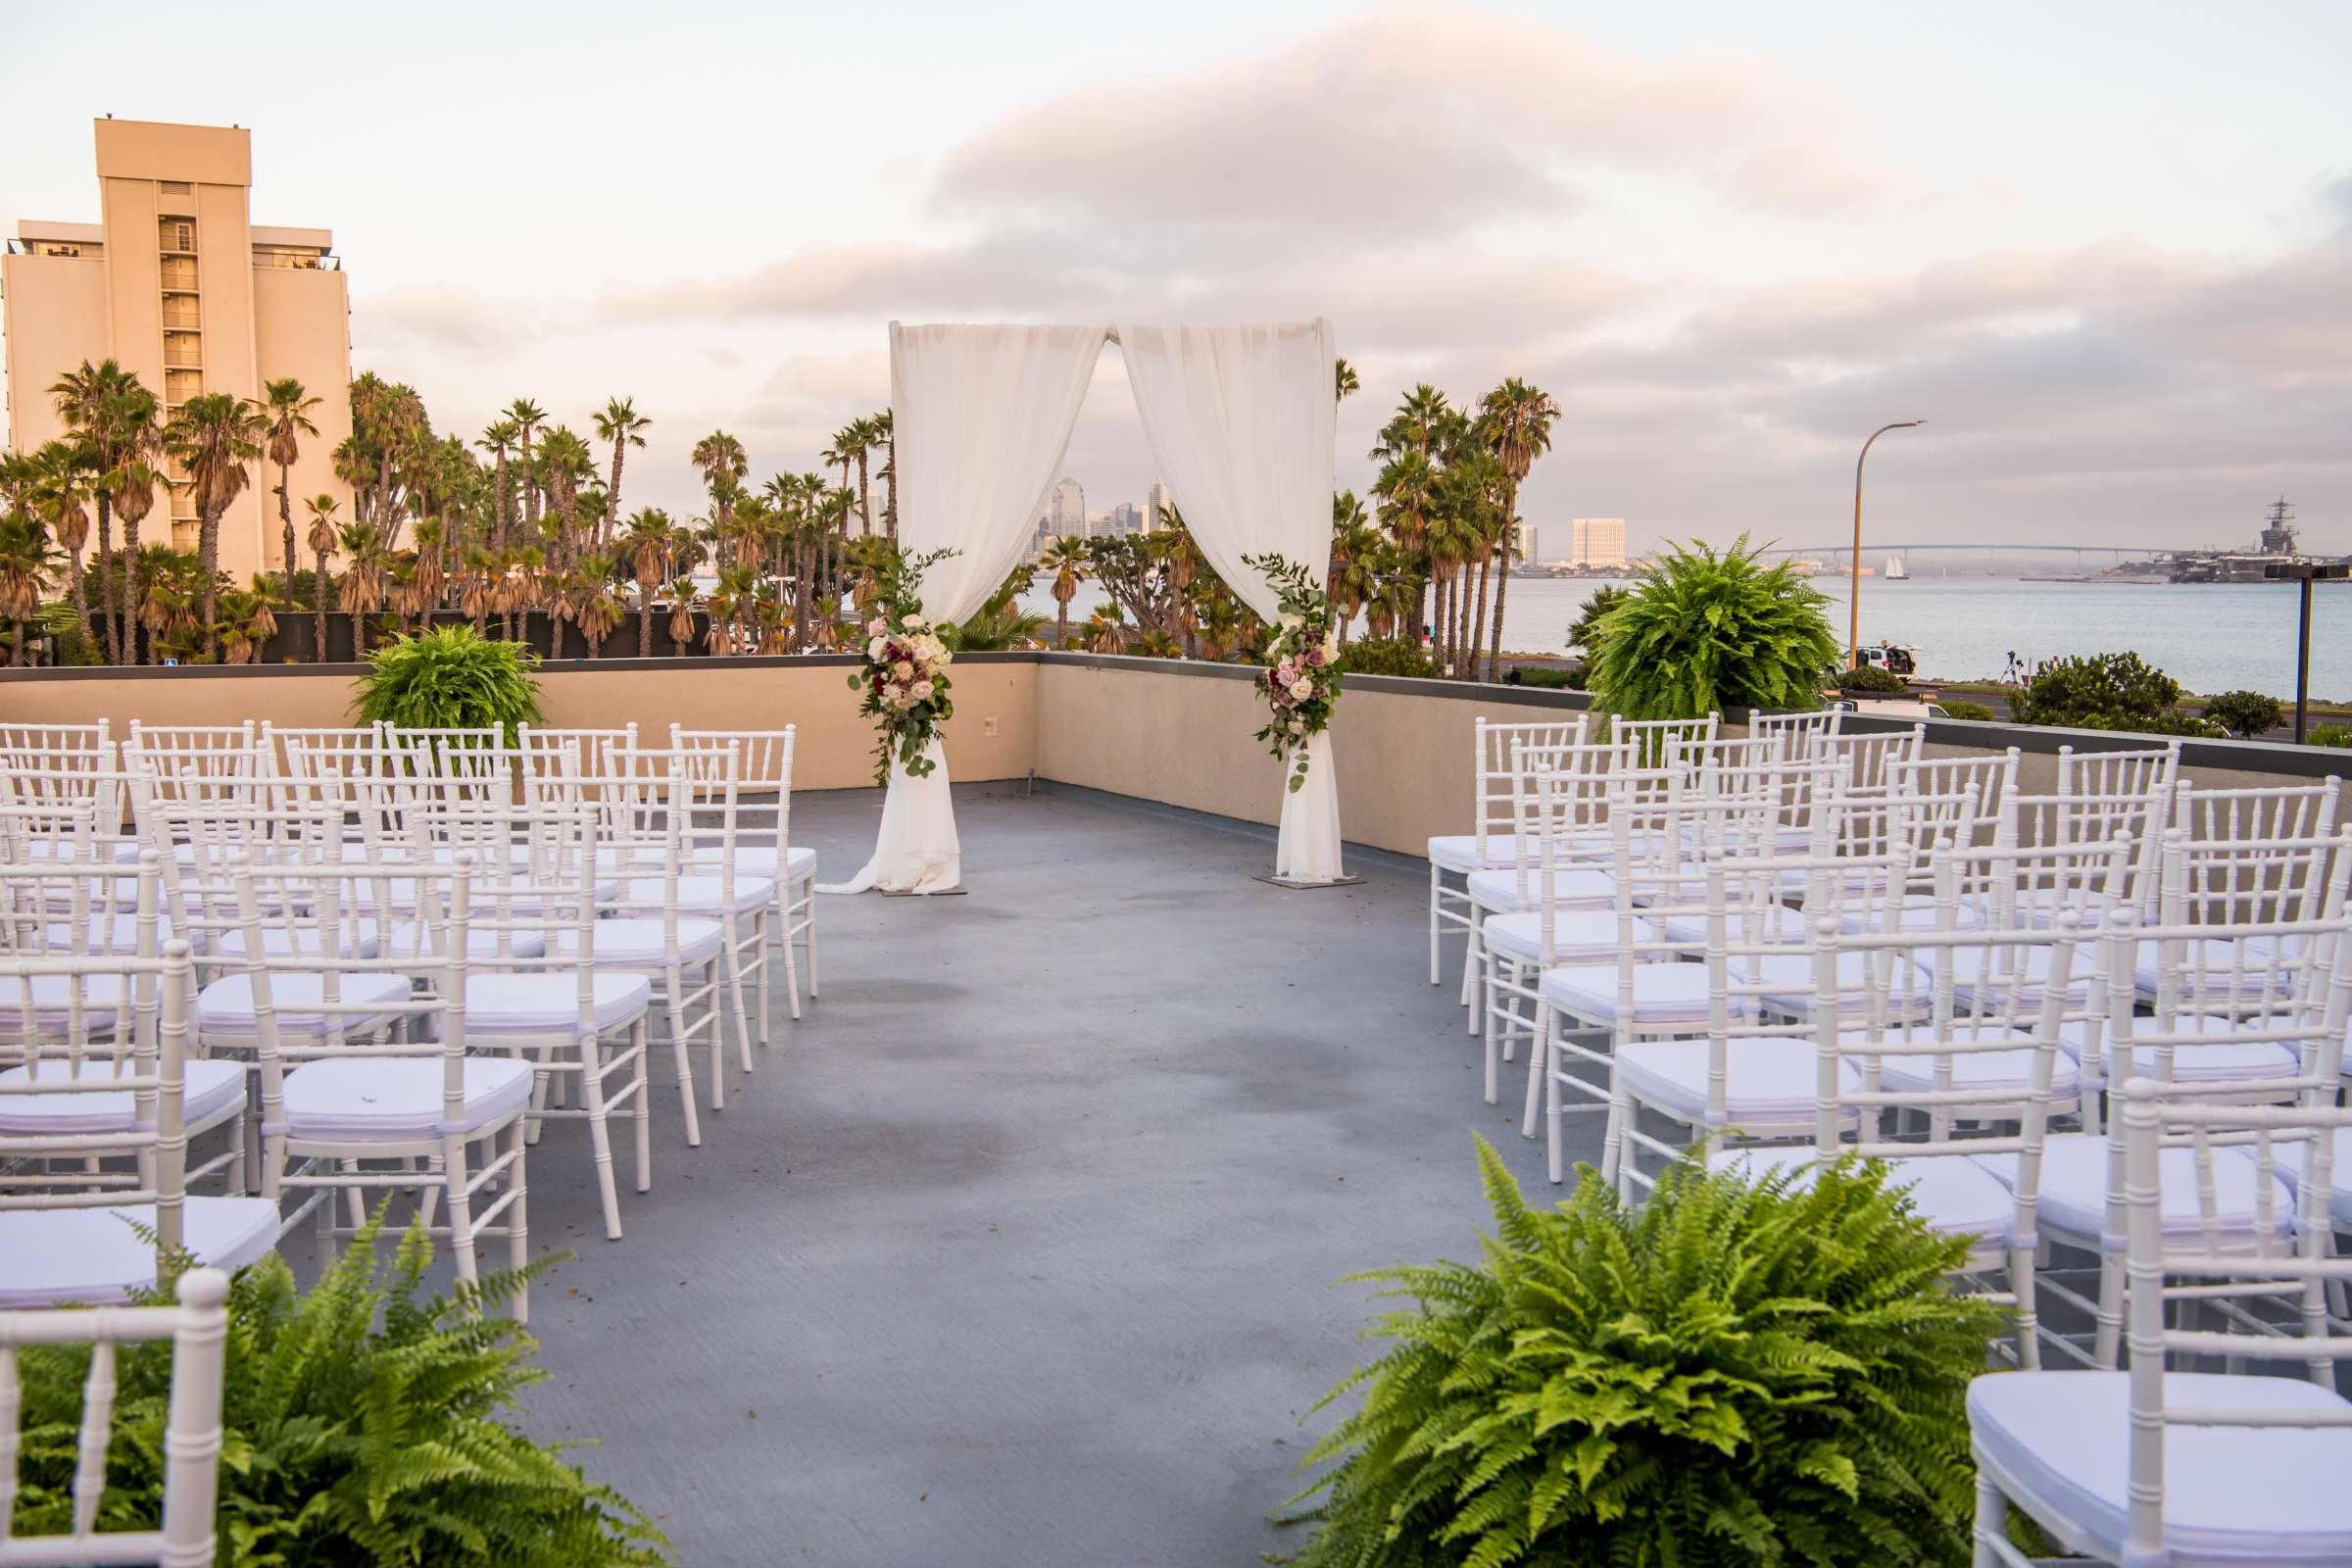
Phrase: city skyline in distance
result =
(1729, 244)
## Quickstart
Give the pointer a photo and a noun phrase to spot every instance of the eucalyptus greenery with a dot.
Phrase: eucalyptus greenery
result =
(1702, 632)
(361, 1425)
(1739, 1373)
(450, 678)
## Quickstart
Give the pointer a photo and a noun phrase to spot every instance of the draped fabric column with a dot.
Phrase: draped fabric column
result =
(1241, 421)
(982, 418)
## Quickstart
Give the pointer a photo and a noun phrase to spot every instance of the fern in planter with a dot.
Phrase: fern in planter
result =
(450, 678)
(361, 1426)
(1737, 1374)
(1703, 633)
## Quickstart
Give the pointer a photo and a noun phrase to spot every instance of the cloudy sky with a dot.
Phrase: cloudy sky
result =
(2106, 249)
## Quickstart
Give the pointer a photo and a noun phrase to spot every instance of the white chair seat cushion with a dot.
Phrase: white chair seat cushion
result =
(2208, 970)
(2227, 1058)
(1767, 1083)
(1987, 978)
(2235, 1496)
(1577, 936)
(400, 891)
(1954, 1194)
(640, 943)
(278, 942)
(93, 1258)
(225, 1005)
(1778, 923)
(398, 1098)
(1908, 996)
(1460, 851)
(761, 861)
(2073, 1194)
(50, 999)
(1984, 1069)
(1663, 993)
(213, 1086)
(1575, 889)
(402, 940)
(706, 895)
(549, 1003)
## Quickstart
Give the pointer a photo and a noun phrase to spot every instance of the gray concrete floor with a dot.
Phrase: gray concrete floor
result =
(1022, 1245)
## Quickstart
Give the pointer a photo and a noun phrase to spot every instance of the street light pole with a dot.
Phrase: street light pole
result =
(2303, 573)
(1854, 627)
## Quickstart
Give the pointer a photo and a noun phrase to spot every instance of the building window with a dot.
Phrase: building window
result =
(61, 250)
(179, 310)
(181, 385)
(175, 187)
(183, 348)
(179, 272)
(178, 234)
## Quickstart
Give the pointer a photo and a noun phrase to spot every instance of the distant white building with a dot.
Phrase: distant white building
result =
(1067, 513)
(1155, 506)
(1127, 517)
(1596, 541)
(1527, 542)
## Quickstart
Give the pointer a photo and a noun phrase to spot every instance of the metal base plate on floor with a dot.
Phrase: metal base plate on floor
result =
(1296, 886)
(955, 892)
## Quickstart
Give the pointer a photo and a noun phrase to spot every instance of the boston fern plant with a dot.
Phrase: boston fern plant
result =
(361, 1426)
(1736, 1374)
(450, 678)
(1702, 632)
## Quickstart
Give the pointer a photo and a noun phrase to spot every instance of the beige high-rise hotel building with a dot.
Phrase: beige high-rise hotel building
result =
(179, 285)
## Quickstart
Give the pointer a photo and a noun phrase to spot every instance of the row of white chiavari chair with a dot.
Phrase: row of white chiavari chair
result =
(2103, 1024)
(360, 960)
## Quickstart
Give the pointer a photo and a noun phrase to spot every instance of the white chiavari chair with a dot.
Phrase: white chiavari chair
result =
(1945, 1166)
(1489, 845)
(643, 810)
(765, 811)
(343, 1116)
(198, 1328)
(556, 1008)
(2152, 770)
(553, 748)
(2161, 1466)
(2224, 1055)
(187, 758)
(1750, 1073)
(1993, 776)
(1797, 730)
(34, 740)
(1871, 755)
(716, 885)
(1653, 739)
(69, 1045)
(70, 1227)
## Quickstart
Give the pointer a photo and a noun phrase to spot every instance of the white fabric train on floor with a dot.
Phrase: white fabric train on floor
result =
(1240, 421)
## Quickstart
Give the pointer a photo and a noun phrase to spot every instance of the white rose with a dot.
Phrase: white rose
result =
(1302, 690)
(916, 623)
(877, 626)
(904, 669)
(1291, 622)
(1298, 727)
(1331, 645)
(923, 690)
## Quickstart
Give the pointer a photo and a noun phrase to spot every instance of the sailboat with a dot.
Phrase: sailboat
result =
(1894, 569)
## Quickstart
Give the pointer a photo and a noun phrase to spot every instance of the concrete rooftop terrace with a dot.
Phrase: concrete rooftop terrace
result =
(1021, 1248)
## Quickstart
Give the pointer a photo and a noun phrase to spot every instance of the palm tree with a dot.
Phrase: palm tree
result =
(61, 487)
(886, 432)
(362, 590)
(215, 436)
(113, 418)
(247, 622)
(1355, 550)
(1344, 379)
(855, 440)
(325, 531)
(133, 496)
(498, 438)
(1107, 631)
(288, 408)
(1471, 486)
(1515, 423)
(646, 548)
(624, 426)
(681, 611)
(1070, 561)
(25, 562)
(527, 416)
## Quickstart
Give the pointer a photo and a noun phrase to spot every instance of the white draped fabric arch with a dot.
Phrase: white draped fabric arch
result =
(1241, 421)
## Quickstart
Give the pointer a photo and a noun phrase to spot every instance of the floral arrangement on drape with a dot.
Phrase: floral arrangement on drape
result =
(1302, 681)
(905, 675)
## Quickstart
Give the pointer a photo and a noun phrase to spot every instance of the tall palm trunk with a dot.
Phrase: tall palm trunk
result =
(128, 621)
(1462, 644)
(890, 493)
(1502, 585)
(319, 601)
(110, 630)
(208, 565)
(865, 511)
(1478, 621)
(78, 589)
(285, 518)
